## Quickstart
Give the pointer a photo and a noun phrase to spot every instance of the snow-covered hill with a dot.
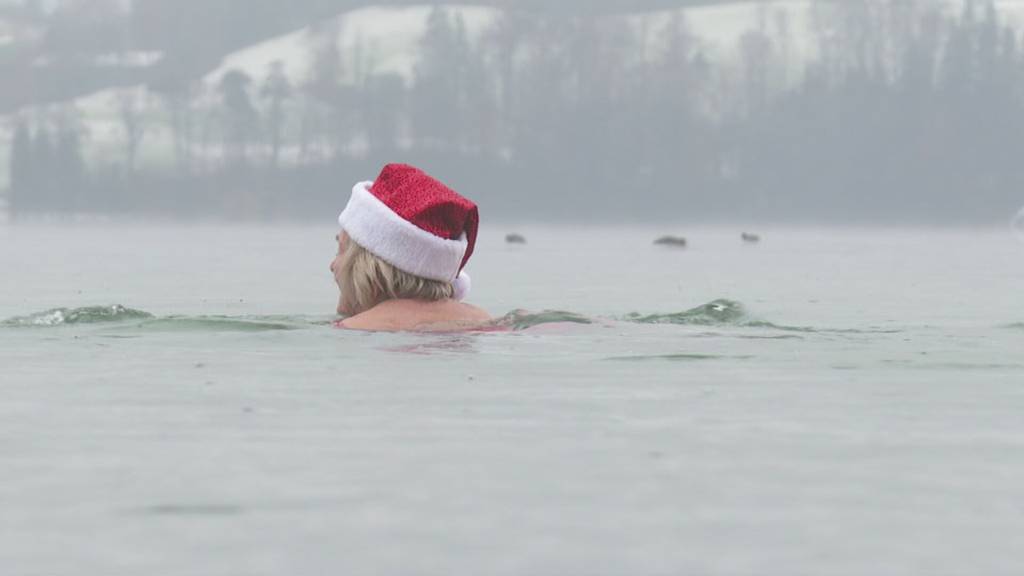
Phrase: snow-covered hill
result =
(388, 37)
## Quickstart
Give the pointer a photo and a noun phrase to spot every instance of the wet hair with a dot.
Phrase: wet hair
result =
(367, 280)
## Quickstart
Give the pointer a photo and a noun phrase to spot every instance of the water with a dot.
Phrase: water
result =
(174, 400)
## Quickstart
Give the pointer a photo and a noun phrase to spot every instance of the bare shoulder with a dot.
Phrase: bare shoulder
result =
(410, 315)
(473, 313)
(363, 322)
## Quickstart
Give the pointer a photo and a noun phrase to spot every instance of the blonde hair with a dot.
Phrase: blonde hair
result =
(366, 281)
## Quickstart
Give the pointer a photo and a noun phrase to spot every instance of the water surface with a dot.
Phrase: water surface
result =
(174, 400)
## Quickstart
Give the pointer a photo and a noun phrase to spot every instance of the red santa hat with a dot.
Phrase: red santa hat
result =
(415, 223)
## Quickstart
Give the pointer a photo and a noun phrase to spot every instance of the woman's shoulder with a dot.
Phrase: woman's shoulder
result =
(470, 312)
(418, 316)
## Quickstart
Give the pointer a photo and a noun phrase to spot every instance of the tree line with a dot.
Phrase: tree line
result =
(900, 113)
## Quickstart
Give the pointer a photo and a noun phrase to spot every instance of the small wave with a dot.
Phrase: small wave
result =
(718, 313)
(70, 316)
(721, 312)
(730, 313)
(521, 320)
(145, 322)
(1015, 326)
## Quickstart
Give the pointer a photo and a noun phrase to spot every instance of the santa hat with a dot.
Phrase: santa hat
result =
(415, 223)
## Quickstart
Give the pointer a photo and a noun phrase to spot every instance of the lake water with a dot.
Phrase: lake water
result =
(824, 402)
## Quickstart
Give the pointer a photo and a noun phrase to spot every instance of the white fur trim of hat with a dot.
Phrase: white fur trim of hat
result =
(374, 226)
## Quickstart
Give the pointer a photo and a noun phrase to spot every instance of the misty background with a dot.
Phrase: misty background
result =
(588, 110)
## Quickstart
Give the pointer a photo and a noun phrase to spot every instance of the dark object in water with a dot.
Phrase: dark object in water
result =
(674, 241)
(750, 238)
(515, 239)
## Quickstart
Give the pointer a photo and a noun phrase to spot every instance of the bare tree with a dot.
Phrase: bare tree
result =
(322, 103)
(239, 114)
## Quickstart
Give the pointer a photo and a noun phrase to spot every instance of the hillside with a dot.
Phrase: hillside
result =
(883, 107)
(385, 39)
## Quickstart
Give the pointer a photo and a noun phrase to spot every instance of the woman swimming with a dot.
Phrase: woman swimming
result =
(404, 243)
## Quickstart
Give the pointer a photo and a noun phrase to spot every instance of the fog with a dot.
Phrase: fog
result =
(862, 112)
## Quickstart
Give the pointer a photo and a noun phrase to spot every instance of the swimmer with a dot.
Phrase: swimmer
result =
(402, 251)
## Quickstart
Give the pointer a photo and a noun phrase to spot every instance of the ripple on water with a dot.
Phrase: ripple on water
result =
(193, 510)
(214, 324)
(676, 358)
(719, 313)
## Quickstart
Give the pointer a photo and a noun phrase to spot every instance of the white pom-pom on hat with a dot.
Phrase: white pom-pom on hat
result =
(462, 284)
